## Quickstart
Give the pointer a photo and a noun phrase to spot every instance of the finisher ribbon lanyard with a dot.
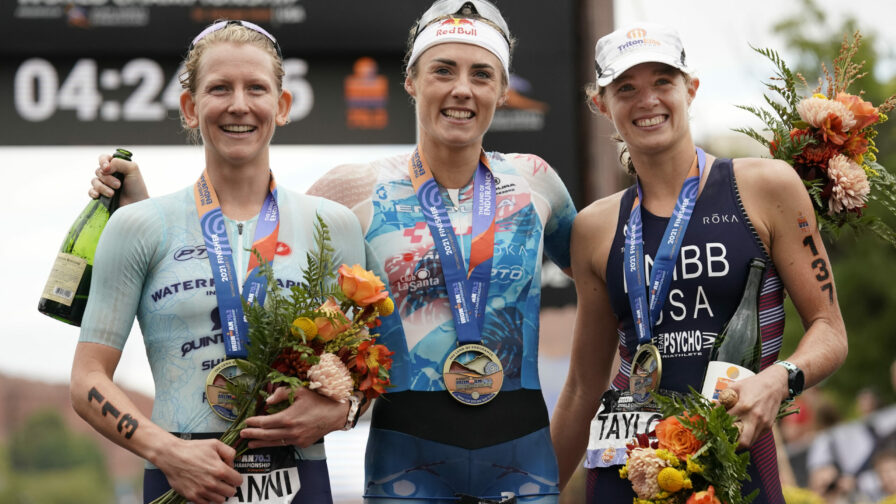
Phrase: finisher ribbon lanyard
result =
(220, 256)
(645, 314)
(467, 290)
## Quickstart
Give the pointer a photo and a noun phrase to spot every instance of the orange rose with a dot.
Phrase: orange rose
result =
(361, 286)
(329, 328)
(704, 497)
(864, 112)
(676, 438)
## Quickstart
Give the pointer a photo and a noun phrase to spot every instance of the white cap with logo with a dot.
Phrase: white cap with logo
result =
(640, 43)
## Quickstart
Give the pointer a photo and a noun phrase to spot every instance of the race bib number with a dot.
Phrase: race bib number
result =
(270, 476)
(612, 429)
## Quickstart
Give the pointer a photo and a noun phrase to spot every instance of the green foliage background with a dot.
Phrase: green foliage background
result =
(45, 463)
(864, 267)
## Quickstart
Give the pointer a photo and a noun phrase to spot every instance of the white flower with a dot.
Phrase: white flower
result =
(815, 111)
(851, 186)
(331, 378)
(643, 467)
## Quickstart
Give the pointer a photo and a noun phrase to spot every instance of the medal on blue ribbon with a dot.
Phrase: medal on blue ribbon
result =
(230, 308)
(472, 373)
(646, 369)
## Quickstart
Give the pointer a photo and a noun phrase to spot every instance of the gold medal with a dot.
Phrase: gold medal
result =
(220, 400)
(473, 374)
(647, 370)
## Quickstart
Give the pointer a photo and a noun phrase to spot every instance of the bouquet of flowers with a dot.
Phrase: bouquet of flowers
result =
(828, 138)
(318, 336)
(689, 457)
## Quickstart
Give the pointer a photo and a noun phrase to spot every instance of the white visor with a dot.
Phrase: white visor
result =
(464, 31)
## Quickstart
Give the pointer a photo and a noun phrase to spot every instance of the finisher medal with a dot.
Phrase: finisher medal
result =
(220, 400)
(473, 374)
(227, 292)
(647, 370)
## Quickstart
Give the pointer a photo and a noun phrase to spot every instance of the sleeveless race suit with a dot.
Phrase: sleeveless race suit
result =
(151, 262)
(707, 285)
(424, 446)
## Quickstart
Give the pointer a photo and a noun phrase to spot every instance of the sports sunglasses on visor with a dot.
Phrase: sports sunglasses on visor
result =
(220, 25)
(483, 8)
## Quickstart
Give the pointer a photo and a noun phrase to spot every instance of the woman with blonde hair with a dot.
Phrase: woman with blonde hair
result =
(181, 264)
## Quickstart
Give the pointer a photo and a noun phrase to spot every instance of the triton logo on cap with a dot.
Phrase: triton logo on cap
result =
(638, 38)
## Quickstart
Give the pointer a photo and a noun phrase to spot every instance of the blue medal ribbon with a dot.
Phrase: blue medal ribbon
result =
(646, 312)
(220, 256)
(467, 288)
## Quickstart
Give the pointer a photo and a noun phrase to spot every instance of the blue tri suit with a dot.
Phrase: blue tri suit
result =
(424, 446)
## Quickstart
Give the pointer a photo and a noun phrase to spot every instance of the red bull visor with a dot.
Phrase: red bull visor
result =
(483, 8)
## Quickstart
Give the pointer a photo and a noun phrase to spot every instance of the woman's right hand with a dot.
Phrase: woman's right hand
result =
(104, 183)
(200, 470)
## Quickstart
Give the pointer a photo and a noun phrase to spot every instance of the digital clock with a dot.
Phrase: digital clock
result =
(149, 91)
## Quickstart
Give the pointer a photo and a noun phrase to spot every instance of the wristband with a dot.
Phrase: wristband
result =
(352, 418)
(795, 378)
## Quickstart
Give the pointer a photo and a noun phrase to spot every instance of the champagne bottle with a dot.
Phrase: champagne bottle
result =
(65, 294)
(737, 350)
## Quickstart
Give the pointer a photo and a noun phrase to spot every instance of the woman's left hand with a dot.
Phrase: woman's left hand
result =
(307, 419)
(758, 401)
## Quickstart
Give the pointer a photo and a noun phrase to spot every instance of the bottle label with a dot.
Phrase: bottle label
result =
(719, 375)
(64, 278)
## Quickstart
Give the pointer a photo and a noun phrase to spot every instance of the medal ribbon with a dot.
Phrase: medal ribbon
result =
(646, 313)
(467, 290)
(220, 256)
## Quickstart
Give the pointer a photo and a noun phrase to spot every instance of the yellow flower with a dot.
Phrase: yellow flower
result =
(796, 495)
(303, 325)
(693, 467)
(670, 479)
(819, 96)
(385, 307)
(668, 457)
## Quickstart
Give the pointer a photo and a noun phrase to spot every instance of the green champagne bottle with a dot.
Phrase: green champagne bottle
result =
(65, 294)
(737, 351)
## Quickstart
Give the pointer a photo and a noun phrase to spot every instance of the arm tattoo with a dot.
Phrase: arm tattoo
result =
(95, 395)
(821, 268)
(127, 423)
